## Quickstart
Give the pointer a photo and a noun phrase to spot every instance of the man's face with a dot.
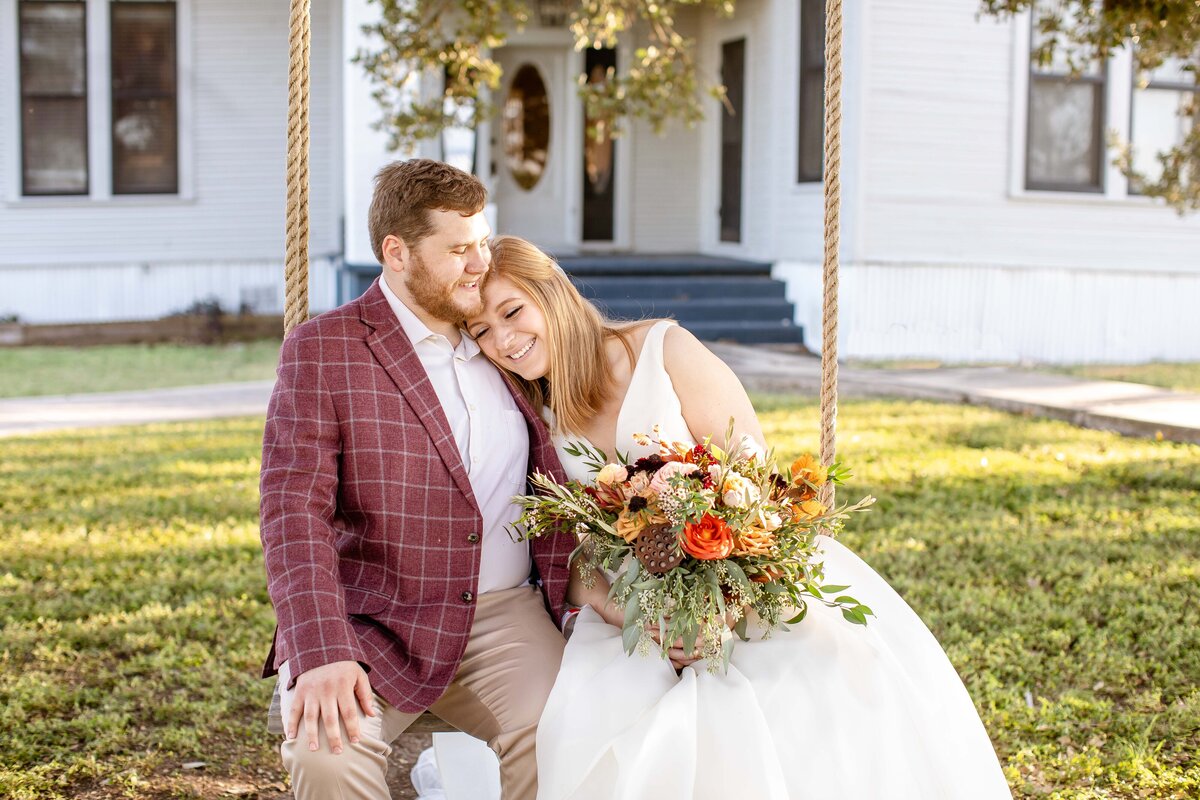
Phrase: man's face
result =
(442, 273)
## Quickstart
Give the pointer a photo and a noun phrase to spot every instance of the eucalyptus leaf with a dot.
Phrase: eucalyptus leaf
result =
(740, 628)
(630, 635)
(803, 613)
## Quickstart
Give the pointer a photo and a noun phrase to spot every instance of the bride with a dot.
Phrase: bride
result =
(824, 709)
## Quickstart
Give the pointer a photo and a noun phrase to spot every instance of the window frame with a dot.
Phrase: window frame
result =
(100, 161)
(113, 95)
(21, 95)
(805, 68)
(1152, 85)
(1100, 87)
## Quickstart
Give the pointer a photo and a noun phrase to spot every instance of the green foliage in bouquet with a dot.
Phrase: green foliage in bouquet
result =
(699, 540)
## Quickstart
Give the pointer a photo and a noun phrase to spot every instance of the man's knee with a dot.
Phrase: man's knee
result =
(359, 771)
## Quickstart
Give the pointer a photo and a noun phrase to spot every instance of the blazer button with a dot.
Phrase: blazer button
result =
(472, 537)
(467, 597)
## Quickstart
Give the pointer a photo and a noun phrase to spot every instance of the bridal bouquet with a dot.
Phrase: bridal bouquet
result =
(698, 536)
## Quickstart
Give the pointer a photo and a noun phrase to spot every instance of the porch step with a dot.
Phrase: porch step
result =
(701, 310)
(669, 264)
(680, 288)
(715, 298)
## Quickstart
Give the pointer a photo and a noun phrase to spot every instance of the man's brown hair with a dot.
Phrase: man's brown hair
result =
(405, 193)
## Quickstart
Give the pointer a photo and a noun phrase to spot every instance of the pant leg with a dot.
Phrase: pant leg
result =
(359, 771)
(506, 674)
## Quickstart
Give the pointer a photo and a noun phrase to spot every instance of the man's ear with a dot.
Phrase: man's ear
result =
(396, 253)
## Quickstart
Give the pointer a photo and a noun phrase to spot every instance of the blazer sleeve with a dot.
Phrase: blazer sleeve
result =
(299, 488)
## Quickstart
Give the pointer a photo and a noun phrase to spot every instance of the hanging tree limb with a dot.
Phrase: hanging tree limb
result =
(455, 38)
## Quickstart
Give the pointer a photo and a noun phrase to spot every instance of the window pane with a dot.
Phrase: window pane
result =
(144, 117)
(527, 127)
(1066, 55)
(144, 146)
(52, 49)
(811, 134)
(1172, 71)
(54, 133)
(1157, 126)
(812, 32)
(1064, 134)
(812, 126)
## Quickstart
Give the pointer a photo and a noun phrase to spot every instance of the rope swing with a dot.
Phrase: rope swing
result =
(295, 262)
(296, 248)
(833, 200)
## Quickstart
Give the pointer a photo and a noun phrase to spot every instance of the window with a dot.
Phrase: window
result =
(1161, 114)
(812, 91)
(1064, 149)
(144, 126)
(127, 109)
(54, 123)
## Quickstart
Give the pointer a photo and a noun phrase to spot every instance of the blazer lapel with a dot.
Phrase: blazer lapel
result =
(396, 355)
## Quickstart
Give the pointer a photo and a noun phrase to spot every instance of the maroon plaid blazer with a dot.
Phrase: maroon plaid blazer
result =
(370, 531)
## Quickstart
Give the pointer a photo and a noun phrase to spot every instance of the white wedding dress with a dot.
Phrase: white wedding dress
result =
(826, 709)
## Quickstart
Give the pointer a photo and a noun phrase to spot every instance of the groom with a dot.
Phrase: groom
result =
(391, 452)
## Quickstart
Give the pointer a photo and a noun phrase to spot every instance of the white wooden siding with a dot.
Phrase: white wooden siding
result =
(1003, 314)
(938, 152)
(235, 215)
(113, 292)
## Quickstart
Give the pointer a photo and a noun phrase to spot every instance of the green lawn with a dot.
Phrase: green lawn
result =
(1059, 568)
(29, 371)
(1184, 377)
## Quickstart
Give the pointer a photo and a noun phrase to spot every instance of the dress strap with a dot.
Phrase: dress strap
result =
(650, 362)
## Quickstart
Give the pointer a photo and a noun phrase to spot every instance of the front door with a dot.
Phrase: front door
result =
(529, 146)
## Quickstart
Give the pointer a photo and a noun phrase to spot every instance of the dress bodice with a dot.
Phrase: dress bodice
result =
(650, 400)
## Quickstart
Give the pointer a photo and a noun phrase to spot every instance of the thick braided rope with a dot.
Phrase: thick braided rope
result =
(833, 197)
(296, 246)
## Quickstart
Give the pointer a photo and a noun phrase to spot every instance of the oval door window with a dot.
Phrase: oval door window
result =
(527, 127)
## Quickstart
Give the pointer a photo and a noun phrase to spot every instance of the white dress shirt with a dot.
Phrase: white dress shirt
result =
(491, 435)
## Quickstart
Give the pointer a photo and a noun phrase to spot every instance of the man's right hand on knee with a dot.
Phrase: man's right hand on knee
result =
(323, 695)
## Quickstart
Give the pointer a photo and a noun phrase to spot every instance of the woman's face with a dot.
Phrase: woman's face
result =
(511, 330)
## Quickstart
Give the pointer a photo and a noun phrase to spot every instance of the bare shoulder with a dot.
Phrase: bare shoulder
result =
(681, 347)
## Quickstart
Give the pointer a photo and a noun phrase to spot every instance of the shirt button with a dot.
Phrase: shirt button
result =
(472, 537)
(467, 597)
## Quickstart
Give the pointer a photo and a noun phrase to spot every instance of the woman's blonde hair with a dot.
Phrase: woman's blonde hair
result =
(577, 333)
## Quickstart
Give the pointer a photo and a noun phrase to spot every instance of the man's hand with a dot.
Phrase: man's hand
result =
(324, 694)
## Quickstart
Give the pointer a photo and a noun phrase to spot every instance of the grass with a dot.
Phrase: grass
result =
(1058, 567)
(35, 371)
(1184, 377)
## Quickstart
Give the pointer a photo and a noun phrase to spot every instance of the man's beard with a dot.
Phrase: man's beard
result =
(435, 298)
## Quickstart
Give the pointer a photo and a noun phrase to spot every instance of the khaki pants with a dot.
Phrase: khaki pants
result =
(509, 667)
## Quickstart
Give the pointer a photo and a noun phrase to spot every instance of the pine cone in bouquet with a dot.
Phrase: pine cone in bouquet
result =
(658, 549)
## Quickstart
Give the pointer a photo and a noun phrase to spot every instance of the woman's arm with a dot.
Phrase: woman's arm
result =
(596, 597)
(708, 391)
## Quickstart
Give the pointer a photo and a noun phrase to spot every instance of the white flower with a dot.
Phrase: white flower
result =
(661, 481)
(612, 473)
(738, 492)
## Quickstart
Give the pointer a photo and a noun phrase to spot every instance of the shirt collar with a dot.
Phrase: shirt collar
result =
(417, 331)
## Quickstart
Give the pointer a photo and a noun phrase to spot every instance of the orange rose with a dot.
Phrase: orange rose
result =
(708, 540)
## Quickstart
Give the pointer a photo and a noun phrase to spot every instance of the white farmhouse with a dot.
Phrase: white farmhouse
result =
(142, 171)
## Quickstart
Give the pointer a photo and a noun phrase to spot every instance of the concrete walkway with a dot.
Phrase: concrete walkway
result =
(1128, 408)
